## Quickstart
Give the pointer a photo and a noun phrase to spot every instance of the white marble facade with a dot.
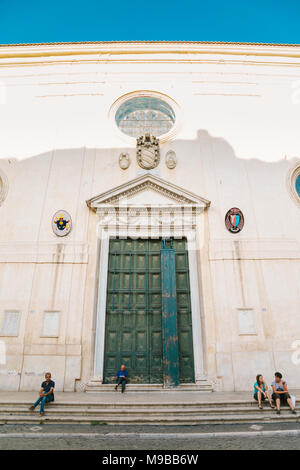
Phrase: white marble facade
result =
(235, 143)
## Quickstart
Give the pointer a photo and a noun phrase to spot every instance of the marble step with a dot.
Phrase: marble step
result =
(150, 420)
(157, 410)
(132, 405)
(95, 385)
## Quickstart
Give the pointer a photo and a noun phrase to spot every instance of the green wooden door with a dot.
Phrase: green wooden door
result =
(133, 331)
(184, 313)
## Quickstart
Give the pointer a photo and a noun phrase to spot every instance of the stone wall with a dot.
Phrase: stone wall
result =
(236, 143)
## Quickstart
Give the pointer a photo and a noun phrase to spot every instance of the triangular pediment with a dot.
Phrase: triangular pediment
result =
(144, 190)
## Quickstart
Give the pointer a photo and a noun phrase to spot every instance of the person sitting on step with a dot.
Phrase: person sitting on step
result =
(46, 393)
(122, 377)
(280, 394)
(261, 391)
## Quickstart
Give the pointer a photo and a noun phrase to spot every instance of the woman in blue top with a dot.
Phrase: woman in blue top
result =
(261, 391)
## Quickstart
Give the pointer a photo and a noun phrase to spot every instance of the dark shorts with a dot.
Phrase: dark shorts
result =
(256, 397)
(283, 397)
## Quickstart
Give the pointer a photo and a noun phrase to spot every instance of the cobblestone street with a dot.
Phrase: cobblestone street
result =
(89, 439)
(132, 444)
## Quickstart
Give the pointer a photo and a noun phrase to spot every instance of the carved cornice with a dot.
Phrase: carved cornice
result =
(80, 43)
(144, 186)
(118, 52)
(148, 181)
(177, 212)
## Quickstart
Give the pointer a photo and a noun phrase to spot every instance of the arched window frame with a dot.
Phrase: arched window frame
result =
(168, 136)
(293, 174)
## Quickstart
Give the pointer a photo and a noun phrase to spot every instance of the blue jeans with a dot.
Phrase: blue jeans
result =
(42, 400)
(122, 382)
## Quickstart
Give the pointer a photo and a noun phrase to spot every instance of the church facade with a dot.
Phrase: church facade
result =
(150, 209)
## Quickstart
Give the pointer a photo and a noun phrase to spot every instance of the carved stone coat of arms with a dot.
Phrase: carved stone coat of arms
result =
(147, 151)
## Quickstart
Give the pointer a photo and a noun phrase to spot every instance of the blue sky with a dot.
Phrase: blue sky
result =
(30, 21)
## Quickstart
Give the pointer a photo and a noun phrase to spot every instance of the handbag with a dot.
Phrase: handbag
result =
(293, 398)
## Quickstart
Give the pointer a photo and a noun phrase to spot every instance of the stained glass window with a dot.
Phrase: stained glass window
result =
(297, 184)
(143, 114)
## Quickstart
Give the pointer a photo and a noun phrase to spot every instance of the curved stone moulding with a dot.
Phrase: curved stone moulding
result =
(3, 186)
(292, 175)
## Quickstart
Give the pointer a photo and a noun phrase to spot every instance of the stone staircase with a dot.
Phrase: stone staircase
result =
(94, 385)
(181, 411)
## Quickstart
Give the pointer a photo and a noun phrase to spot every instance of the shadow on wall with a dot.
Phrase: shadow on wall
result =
(64, 179)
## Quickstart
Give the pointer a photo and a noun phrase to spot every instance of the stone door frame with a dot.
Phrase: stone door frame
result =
(182, 217)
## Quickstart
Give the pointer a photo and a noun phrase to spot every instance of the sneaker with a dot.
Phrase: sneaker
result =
(31, 408)
(116, 387)
(293, 412)
(278, 412)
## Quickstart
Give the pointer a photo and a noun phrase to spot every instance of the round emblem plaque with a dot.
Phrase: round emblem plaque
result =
(171, 160)
(61, 223)
(124, 160)
(234, 220)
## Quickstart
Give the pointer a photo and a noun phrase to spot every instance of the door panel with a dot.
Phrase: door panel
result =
(133, 331)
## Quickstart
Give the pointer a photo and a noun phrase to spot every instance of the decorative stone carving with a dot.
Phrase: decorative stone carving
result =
(148, 185)
(145, 182)
(124, 160)
(147, 151)
(171, 159)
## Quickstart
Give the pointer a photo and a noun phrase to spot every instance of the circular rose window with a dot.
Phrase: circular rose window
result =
(293, 181)
(145, 114)
(297, 185)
